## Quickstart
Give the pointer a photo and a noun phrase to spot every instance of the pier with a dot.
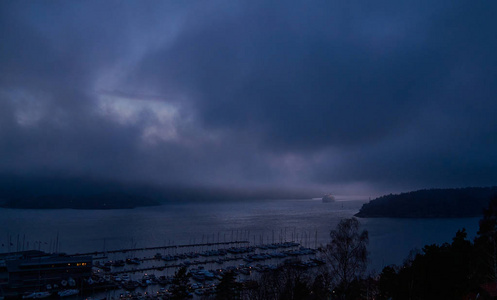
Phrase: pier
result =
(159, 248)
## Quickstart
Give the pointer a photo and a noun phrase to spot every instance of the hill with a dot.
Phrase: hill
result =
(430, 203)
(33, 192)
(50, 193)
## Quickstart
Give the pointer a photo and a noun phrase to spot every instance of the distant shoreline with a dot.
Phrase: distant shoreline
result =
(79, 208)
(95, 202)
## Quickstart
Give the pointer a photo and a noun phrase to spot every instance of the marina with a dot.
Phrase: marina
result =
(247, 262)
(149, 276)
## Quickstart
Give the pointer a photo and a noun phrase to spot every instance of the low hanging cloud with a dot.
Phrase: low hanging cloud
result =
(357, 98)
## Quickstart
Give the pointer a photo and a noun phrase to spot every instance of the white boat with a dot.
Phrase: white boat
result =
(71, 282)
(328, 198)
(37, 295)
(70, 292)
(125, 277)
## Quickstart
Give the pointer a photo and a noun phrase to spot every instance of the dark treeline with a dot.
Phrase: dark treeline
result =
(430, 203)
(38, 192)
(58, 192)
(110, 200)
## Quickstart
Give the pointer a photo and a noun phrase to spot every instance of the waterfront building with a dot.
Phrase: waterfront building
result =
(30, 271)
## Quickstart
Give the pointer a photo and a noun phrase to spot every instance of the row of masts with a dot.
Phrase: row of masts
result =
(303, 237)
(283, 235)
(21, 244)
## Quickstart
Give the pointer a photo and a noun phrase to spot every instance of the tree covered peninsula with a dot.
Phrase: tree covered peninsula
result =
(430, 203)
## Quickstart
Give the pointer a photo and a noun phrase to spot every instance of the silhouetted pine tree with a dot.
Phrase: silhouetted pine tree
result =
(228, 288)
(180, 284)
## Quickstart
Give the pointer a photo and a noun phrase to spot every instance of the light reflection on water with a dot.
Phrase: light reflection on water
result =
(306, 221)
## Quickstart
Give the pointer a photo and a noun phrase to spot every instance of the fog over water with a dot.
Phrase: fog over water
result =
(305, 221)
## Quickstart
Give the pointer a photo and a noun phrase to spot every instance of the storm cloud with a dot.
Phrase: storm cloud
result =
(356, 98)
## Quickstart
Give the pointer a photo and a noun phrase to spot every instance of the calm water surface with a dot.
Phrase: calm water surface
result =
(306, 221)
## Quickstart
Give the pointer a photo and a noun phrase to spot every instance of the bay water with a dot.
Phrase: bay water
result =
(305, 221)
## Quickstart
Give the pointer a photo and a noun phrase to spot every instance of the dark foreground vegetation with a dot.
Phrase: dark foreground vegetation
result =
(339, 276)
(432, 203)
(462, 269)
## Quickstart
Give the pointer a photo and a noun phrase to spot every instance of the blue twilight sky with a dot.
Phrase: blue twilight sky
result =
(350, 97)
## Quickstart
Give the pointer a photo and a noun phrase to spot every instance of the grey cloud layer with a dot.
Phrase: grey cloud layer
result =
(390, 95)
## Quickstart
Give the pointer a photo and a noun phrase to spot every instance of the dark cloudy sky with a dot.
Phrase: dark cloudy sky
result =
(351, 97)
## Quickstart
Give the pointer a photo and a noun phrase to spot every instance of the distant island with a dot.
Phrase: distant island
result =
(430, 203)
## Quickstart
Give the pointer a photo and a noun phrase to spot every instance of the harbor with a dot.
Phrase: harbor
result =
(135, 273)
(145, 272)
